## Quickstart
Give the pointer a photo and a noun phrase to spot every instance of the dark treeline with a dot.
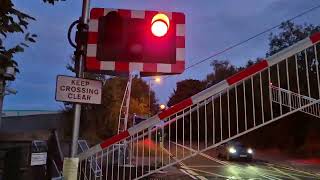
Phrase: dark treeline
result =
(296, 132)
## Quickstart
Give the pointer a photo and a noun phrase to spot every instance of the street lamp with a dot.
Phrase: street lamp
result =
(156, 80)
(162, 107)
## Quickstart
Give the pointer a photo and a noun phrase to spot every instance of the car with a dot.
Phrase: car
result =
(235, 150)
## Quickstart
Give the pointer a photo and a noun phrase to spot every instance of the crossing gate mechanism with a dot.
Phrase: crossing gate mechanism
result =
(280, 85)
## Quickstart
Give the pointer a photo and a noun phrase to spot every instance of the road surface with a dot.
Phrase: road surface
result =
(212, 168)
(207, 166)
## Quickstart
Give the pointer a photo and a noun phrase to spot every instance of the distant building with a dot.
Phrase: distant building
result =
(25, 125)
(19, 131)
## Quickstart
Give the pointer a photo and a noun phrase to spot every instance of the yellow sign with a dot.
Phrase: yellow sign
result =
(70, 168)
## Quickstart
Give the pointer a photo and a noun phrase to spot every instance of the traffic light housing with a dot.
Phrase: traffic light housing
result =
(121, 41)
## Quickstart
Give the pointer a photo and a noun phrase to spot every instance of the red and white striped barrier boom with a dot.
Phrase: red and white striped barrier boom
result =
(209, 92)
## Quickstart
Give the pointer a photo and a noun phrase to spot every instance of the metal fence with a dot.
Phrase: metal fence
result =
(278, 86)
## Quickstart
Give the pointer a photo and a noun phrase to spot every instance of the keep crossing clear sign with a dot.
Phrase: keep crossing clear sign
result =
(71, 89)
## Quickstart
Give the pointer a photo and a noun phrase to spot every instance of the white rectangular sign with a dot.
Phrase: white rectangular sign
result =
(38, 158)
(71, 89)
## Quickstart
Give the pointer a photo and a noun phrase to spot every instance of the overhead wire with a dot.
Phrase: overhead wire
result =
(248, 39)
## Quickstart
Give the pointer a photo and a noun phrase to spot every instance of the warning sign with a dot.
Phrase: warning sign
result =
(38, 158)
(71, 89)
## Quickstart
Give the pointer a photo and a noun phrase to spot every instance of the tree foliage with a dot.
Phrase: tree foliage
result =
(221, 69)
(14, 21)
(290, 34)
(185, 89)
(292, 131)
(101, 121)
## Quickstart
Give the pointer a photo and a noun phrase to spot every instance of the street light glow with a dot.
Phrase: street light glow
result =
(162, 106)
(157, 80)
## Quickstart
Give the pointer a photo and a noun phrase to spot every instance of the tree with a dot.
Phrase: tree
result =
(14, 21)
(293, 132)
(221, 69)
(290, 34)
(101, 121)
(185, 89)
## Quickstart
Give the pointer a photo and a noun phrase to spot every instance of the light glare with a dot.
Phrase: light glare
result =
(162, 106)
(157, 79)
(160, 24)
(159, 28)
(232, 150)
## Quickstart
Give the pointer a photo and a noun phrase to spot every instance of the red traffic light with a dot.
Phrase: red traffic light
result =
(160, 25)
(122, 41)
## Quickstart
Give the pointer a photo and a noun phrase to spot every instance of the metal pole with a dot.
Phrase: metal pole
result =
(128, 102)
(149, 97)
(79, 73)
(2, 93)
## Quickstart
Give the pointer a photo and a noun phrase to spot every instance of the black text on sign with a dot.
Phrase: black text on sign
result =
(70, 89)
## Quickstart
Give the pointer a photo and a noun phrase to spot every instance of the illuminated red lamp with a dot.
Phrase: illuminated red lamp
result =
(160, 25)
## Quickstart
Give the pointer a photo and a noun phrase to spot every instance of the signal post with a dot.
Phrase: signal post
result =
(119, 42)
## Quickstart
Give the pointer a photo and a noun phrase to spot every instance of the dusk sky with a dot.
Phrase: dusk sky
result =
(212, 25)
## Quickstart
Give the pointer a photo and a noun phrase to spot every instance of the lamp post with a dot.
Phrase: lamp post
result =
(157, 80)
(6, 74)
(2, 92)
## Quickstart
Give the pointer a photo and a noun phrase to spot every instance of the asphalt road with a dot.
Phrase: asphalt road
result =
(205, 166)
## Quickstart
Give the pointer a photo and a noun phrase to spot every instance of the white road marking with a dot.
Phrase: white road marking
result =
(182, 170)
(202, 154)
(192, 172)
(210, 173)
(270, 176)
(185, 169)
(214, 159)
(205, 166)
(226, 163)
(202, 178)
(287, 174)
(295, 170)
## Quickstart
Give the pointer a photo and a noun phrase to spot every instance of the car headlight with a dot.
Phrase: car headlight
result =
(250, 151)
(232, 150)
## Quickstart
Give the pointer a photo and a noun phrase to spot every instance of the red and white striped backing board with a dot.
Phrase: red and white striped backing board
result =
(94, 65)
(229, 82)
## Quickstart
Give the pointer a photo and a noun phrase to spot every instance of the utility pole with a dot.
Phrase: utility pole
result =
(6, 73)
(79, 59)
(2, 93)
